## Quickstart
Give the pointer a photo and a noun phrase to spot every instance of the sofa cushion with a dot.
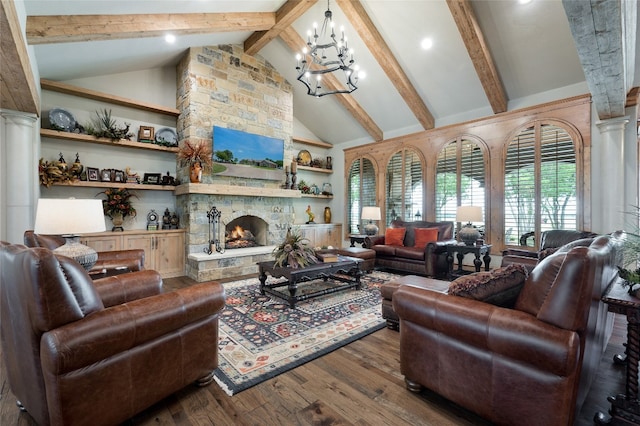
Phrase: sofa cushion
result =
(383, 250)
(410, 253)
(394, 236)
(500, 286)
(424, 236)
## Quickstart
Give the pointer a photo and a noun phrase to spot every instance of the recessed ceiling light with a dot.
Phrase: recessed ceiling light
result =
(524, 1)
(170, 38)
(426, 43)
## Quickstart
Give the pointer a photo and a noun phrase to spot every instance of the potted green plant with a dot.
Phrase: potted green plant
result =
(118, 206)
(294, 251)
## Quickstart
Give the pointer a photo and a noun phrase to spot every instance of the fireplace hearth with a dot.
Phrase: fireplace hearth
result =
(245, 232)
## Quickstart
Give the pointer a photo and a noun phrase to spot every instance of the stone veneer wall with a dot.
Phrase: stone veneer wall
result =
(222, 86)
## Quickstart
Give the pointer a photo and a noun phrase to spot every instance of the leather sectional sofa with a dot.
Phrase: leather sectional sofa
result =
(528, 365)
(429, 260)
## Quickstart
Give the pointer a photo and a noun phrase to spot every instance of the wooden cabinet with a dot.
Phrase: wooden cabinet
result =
(164, 250)
(322, 234)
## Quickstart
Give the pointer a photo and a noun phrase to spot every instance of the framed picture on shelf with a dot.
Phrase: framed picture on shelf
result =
(105, 175)
(118, 176)
(93, 174)
(146, 134)
(151, 178)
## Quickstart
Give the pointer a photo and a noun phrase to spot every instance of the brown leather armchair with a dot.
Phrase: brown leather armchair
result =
(530, 365)
(549, 241)
(109, 262)
(83, 352)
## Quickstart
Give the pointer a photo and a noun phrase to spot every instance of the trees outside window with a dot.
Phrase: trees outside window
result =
(540, 183)
(361, 192)
(460, 178)
(404, 187)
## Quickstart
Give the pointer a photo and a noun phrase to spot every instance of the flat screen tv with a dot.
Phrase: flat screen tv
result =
(242, 154)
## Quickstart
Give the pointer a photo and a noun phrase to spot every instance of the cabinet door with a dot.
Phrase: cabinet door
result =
(169, 253)
(334, 236)
(144, 242)
(103, 242)
(308, 232)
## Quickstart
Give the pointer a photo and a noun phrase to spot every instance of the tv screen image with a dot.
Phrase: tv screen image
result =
(241, 154)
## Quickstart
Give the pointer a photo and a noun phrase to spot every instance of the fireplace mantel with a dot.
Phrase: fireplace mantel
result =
(250, 191)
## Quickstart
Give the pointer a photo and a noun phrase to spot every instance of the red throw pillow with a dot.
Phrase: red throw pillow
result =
(394, 236)
(424, 236)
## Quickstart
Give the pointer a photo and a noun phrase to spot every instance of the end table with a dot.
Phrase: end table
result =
(461, 249)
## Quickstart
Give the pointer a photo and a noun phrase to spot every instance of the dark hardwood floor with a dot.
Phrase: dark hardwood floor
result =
(358, 384)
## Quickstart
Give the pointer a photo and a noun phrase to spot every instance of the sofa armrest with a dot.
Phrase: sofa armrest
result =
(121, 328)
(118, 289)
(374, 240)
(520, 252)
(504, 332)
(109, 260)
(528, 262)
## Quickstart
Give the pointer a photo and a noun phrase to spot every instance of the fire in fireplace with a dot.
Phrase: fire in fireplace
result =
(245, 231)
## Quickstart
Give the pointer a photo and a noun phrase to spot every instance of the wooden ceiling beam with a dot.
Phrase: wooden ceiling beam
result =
(17, 85)
(296, 43)
(358, 17)
(77, 28)
(465, 19)
(285, 17)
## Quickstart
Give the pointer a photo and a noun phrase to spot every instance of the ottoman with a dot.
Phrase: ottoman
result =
(368, 256)
(387, 290)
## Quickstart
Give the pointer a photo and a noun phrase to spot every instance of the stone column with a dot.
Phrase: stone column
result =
(610, 179)
(19, 188)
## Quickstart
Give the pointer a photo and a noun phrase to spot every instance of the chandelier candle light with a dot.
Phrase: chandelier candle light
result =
(326, 56)
(70, 217)
(468, 233)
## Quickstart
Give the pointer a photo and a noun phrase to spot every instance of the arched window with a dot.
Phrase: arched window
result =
(540, 184)
(361, 192)
(460, 178)
(404, 187)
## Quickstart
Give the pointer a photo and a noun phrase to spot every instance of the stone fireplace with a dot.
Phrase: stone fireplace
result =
(245, 232)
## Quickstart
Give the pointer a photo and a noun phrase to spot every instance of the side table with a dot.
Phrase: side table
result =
(358, 238)
(462, 249)
(625, 408)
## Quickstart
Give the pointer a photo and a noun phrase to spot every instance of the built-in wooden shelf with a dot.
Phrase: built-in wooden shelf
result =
(136, 186)
(249, 191)
(315, 169)
(316, 196)
(68, 89)
(311, 142)
(78, 137)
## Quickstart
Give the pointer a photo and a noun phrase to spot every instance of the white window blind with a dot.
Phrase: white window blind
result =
(361, 192)
(540, 183)
(460, 178)
(404, 187)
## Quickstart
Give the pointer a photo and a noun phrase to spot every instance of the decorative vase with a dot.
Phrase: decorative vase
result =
(117, 221)
(195, 175)
(327, 214)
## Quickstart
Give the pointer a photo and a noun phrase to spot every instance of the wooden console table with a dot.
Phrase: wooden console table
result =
(625, 408)
(483, 251)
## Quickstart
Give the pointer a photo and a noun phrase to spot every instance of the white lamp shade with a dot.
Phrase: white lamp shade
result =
(371, 213)
(469, 214)
(69, 216)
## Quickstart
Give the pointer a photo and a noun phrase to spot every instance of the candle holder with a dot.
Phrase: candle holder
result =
(293, 180)
(287, 182)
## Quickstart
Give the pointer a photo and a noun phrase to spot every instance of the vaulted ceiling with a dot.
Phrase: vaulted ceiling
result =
(487, 56)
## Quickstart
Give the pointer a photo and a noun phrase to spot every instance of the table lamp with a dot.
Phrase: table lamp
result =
(70, 217)
(370, 214)
(468, 233)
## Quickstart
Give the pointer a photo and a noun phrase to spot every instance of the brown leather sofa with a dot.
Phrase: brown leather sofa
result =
(430, 260)
(84, 352)
(109, 262)
(549, 241)
(530, 365)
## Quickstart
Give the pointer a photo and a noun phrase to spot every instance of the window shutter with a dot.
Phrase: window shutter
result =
(404, 187)
(361, 191)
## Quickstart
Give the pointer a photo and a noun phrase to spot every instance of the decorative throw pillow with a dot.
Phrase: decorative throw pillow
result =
(424, 236)
(394, 236)
(499, 286)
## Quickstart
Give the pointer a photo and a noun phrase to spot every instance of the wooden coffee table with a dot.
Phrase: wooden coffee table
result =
(349, 267)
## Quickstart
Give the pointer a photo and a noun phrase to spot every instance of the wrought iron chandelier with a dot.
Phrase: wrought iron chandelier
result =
(325, 54)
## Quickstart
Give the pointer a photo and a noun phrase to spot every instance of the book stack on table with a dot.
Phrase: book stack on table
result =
(327, 257)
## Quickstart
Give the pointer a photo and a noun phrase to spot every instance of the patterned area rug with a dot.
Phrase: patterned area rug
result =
(261, 337)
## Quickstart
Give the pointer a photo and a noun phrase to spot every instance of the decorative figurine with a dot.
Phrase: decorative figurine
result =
(77, 167)
(166, 219)
(174, 221)
(310, 214)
